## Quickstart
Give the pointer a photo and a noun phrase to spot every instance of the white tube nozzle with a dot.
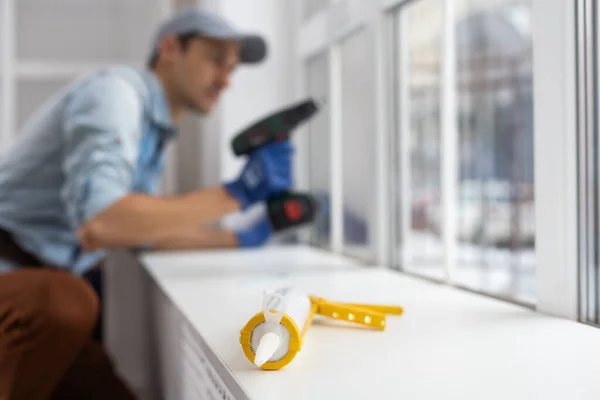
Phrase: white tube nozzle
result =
(268, 345)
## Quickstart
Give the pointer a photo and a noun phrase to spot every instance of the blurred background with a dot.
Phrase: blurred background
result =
(427, 117)
(484, 143)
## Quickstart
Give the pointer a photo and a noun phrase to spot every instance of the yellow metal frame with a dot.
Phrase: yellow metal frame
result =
(369, 315)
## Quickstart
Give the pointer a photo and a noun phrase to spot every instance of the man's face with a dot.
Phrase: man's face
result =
(202, 71)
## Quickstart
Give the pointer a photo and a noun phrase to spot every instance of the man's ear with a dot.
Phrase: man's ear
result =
(169, 48)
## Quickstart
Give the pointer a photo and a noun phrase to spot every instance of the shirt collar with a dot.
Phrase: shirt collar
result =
(158, 108)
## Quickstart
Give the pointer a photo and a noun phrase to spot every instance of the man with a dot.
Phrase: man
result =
(82, 178)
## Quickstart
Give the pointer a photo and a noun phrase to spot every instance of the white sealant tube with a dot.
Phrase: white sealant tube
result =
(271, 340)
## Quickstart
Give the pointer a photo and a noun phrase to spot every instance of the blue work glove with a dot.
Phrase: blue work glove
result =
(268, 172)
(255, 236)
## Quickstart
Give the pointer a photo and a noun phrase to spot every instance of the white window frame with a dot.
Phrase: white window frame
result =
(325, 32)
(555, 135)
(555, 157)
(587, 131)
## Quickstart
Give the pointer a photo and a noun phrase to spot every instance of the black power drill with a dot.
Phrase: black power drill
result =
(289, 209)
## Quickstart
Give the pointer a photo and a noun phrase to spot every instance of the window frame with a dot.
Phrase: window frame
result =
(553, 23)
(587, 130)
(555, 145)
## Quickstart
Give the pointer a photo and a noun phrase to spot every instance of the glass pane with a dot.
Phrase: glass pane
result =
(106, 30)
(422, 23)
(312, 7)
(495, 112)
(320, 148)
(31, 95)
(358, 126)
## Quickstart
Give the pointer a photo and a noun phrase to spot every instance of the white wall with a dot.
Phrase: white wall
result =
(260, 89)
(206, 159)
(256, 90)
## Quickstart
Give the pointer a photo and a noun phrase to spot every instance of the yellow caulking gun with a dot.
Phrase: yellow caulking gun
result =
(272, 338)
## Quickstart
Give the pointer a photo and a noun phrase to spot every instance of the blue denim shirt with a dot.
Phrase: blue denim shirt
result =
(91, 144)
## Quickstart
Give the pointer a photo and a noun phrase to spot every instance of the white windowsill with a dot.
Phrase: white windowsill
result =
(449, 344)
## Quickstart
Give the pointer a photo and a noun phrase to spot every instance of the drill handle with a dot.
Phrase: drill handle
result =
(291, 209)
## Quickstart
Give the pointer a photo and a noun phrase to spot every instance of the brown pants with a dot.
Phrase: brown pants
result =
(46, 318)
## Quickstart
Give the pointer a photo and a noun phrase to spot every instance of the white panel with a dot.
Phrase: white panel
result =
(335, 127)
(593, 291)
(555, 140)
(320, 148)
(312, 7)
(358, 148)
(449, 151)
(347, 16)
(383, 104)
(166, 324)
(389, 4)
(342, 20)
(313, 37)
(128, 330)
(31, 95)
(2, 37)
(84, 30)
(299, 89)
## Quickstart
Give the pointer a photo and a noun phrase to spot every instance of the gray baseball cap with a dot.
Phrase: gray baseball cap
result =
(198, 20)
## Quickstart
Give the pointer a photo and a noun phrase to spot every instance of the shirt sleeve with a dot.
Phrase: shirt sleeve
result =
(102, 130)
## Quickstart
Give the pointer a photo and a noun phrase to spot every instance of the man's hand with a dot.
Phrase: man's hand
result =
(268, 172)
(138, 219)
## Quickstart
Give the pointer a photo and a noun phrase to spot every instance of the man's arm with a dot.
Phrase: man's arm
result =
(101, 140)
(102, 132)
(166, 221)
(198, 238)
